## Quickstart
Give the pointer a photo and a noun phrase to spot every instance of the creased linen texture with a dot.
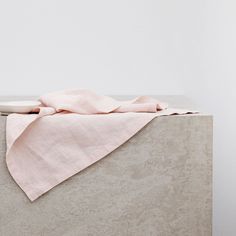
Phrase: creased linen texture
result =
(70, 131)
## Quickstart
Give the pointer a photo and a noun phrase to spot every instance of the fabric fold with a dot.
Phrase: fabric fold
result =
(73, 130)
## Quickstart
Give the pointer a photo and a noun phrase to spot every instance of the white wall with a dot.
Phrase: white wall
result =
(210, 80)
(113, 47)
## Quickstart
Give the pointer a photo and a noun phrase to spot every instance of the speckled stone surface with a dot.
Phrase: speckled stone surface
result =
(157, 183)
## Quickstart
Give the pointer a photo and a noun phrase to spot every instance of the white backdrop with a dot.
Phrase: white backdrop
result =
(114, 47)
(132, 47)
(211, 82)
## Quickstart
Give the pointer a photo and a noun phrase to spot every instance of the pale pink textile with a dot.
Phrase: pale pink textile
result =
(72, 130)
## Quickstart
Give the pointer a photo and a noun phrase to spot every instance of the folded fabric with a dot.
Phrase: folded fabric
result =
(72, 130)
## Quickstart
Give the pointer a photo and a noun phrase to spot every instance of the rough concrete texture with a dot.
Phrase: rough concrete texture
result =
(157, 183)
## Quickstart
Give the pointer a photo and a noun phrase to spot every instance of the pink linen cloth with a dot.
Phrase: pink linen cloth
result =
(72, 130)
